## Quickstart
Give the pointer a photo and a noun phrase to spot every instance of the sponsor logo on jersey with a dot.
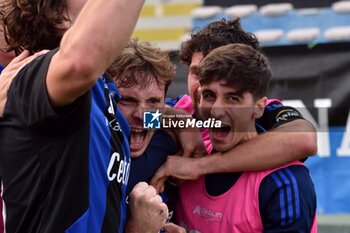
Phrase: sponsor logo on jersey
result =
(121, 174)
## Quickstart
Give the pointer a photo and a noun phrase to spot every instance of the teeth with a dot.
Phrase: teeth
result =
(224, 126)
(137, 130)
(137, 138)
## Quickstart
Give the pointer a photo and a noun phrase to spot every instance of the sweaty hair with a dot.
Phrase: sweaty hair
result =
(32, 24)
(214, 35)
(139, 63)
(238, 65)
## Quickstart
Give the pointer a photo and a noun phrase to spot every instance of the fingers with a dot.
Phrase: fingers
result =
(140, 188)
(159, 186)
(148, 213)
(173, 228)
(164, 211)
(158, 180)
(145, 195)
(20, 57)
(23, 59)
(27, 60)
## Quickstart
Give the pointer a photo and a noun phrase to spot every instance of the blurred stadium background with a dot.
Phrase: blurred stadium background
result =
(308, 43)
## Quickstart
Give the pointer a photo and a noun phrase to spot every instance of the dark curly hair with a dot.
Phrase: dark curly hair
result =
(214, 35)
(32, 24)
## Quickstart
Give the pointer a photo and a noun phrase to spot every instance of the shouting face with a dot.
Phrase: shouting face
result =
(134, 102)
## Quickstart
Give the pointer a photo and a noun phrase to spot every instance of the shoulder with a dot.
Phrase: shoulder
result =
(162, 141)
(292, 177)
(171, 102)
(33, 75)
(287, 198)
(276, 114)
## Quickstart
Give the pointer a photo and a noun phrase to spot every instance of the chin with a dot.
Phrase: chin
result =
(222, 148)
(135, 151)
(136, 154)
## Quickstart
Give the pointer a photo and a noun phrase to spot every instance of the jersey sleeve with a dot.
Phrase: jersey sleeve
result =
(276, 114)
(287, 201)
(28, 94)
(171, 102)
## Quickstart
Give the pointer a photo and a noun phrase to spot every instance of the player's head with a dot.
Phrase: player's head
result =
(37, 25)
(214, 35)
(142, 74)
(234, 81)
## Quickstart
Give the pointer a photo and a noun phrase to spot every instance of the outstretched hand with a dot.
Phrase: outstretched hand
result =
(11, 71)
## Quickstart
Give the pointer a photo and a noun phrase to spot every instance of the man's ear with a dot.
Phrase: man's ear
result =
(259, 107)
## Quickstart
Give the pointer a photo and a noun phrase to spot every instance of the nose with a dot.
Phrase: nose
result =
(217, 109)
(137, 115)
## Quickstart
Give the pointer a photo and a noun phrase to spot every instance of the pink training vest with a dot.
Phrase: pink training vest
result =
(235, 211)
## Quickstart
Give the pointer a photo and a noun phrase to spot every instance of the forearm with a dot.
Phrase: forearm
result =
(89, 47)
(101, 30)
(133, 227)
(268, 150)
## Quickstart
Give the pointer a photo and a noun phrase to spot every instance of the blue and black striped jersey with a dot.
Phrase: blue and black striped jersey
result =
(63, 169)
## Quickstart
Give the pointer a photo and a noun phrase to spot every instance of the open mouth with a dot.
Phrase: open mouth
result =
(137, 138)
(221, 133)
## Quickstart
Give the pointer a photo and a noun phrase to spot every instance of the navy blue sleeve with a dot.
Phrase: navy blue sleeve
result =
(287, 201)
(171, 102)
(276, 114)
(144, 167)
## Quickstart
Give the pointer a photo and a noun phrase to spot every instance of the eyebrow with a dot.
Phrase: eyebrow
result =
(154, 99)
(127, 97)
(132, 98)
(236, 93)
(206, 90)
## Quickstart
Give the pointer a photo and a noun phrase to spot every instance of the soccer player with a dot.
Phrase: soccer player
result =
(301, 134)
(143, 74)
(234, 80)
(63, 142)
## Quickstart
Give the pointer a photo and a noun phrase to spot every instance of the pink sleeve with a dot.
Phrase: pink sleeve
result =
(269, 101)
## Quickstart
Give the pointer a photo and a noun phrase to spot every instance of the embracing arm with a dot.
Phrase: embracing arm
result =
(291, 141)
(89, 47)
(295, 140)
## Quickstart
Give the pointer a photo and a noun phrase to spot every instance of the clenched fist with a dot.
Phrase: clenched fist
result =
(148, 213)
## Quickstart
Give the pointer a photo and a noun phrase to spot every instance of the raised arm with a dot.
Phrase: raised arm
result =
(89, 47)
